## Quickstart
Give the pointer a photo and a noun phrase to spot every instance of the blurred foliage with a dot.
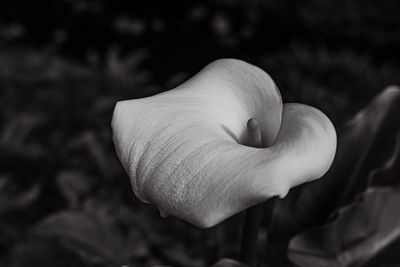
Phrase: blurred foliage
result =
(64, 198)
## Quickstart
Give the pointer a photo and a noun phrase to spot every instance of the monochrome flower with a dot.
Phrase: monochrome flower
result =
(184, 150)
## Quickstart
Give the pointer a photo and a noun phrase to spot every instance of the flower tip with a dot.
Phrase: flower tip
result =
(163, 214)
(252, 124)
(253, 133)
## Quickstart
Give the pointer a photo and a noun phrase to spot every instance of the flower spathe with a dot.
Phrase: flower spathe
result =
(183, 149)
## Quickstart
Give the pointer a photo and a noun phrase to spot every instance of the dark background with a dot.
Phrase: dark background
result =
(64, 198)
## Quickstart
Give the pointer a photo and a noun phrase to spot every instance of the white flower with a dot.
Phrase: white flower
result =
(183, 149)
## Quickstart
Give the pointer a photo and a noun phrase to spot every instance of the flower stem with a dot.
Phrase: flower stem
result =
(249, 245)
(248, 251)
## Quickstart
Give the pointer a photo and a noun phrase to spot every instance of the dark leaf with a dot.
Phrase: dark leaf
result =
(96, 151)
(11, 198)
(92, 237)
(72, 185)
(360, 231)
(228, 263)
(42, 253)
(365, 144)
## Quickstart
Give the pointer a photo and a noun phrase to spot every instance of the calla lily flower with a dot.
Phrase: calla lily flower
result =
(184, 150)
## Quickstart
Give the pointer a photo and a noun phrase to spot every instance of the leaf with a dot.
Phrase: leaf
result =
(20, 127)
(228, 263)
(43, 253)
(105, 231)
(370, 223)
(94, 148)
(86, 234)
(366, 143)
(72, 185)
(11, 198)
(360, 231)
